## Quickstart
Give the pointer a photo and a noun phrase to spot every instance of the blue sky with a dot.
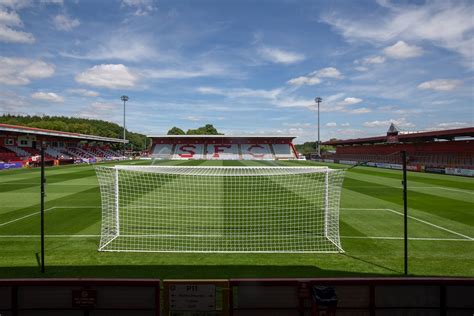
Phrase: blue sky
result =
(248, 67)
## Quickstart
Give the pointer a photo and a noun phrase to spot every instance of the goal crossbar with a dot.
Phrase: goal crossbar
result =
(220, 209)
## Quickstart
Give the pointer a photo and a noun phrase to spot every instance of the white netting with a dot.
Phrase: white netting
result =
(220, 209)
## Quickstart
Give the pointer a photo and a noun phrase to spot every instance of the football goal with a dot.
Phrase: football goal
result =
(220, 209)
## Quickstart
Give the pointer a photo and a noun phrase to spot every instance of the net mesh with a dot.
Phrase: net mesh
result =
(220, 209)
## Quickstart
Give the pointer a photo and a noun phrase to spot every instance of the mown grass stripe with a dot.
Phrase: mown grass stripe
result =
(436, 205)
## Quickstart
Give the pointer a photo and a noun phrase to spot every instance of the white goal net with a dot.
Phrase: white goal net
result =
(220, 209)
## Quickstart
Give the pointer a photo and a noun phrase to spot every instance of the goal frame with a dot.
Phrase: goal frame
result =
(109, 232)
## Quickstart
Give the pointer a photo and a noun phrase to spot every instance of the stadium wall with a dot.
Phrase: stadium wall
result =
(245, 297)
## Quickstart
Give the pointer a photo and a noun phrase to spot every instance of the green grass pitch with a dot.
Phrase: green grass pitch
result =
(441, 223)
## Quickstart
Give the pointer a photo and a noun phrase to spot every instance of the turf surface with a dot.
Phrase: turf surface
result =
(441, 223)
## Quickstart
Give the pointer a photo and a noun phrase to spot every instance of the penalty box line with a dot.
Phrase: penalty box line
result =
(46, 210)
(413, 218)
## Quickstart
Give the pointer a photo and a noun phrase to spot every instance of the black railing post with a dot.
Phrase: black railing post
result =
(405, 212)
(43, 180)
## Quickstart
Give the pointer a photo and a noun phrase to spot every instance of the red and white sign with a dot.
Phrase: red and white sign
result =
(256, 151)
(189, 151)
(223, 152)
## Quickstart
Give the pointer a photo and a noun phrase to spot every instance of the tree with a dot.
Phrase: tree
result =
(176, 131)
(207, 129)
(310, 147)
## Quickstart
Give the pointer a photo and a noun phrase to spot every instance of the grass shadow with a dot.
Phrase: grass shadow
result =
(181, 272)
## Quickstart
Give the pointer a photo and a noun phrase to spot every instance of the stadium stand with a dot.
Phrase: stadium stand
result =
(430, 151)
(7, 155)
(223, 152)
(257, 151)
(188, 151)
(163, 151)
(222, 147)
(19, 146)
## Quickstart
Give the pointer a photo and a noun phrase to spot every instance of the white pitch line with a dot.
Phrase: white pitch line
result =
(401, 238)
(49, 184)
(444, 188)
(47, 210)
(80, 207)
(49, 236)
(23, 217)
(411, 187)
(413, 218)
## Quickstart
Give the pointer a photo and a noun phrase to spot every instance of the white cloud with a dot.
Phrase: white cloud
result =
(58, 2)
(120, 46)
(10, 35)
(193, 118)
(373, 60)
(440, 84)
(297, 124)
(142, 7)
(328, 72)
(397, 110)
(15, 4)
(445, 24)
(314, 77)
(345, 124)
(84, 92)
(448, 125)
(304, 80)
(361, 68)
(279, 56)
(402, 50)
(292, 101)
(204, 70)
(241, 93)
(360, 111)
(112, 76)
(65, 23)
(20, 71)
(47, 96)
(402, 123)
(10, 18)
(331, 124)
(350, 101)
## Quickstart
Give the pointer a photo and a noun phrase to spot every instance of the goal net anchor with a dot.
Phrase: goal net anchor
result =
(220, 209)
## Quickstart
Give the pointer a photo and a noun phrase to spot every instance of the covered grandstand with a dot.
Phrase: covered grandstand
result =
(20, 146)
(445, 151)
(223, 147)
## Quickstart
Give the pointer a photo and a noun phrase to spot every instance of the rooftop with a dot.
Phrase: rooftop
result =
(221, 136)
(449, 134)
(51, 133)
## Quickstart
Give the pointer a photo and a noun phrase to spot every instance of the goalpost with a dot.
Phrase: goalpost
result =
(220, 209)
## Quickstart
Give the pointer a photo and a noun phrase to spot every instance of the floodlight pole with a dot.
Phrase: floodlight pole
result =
(43, 180)
(405, 212)
(124, 98)
(318, 100)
